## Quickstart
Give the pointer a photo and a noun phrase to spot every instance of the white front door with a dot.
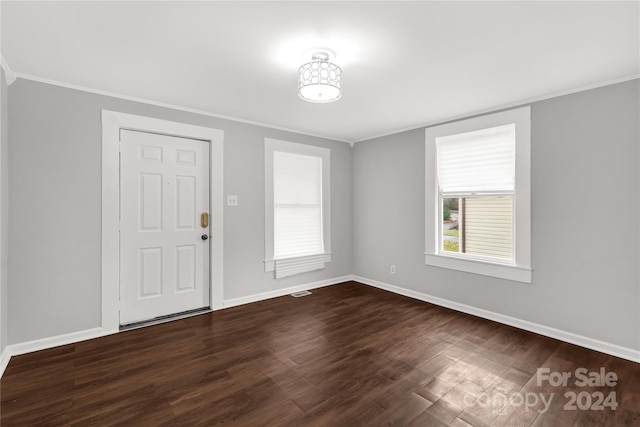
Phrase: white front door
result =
(164, 257)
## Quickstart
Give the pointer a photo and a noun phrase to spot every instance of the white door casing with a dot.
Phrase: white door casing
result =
(113, 124)
(164, 189)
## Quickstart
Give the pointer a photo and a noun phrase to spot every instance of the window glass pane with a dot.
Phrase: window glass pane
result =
(450, 225)
(478, 226)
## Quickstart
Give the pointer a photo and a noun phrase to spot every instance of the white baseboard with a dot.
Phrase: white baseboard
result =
(593, 344)
(55, 341)
(44, 343)
(286, 291)
(4, 360)
(73, 337)
(604, 347)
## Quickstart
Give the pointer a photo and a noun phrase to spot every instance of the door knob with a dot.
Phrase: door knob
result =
(205, 237)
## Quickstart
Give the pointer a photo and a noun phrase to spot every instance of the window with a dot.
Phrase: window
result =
(478, 216)
(297, 208)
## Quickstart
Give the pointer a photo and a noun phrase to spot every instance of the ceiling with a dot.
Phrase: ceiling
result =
(405, 64)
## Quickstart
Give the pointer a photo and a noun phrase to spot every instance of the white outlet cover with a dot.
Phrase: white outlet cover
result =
(232, 200)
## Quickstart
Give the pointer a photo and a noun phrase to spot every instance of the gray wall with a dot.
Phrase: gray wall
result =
(4, 209)
(55, 209)
(585, 219)
(585, 197)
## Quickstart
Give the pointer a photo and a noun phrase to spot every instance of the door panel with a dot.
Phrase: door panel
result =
(150, 194)
(164, 188)
(150, 268)
(186, 202)
(186, 267)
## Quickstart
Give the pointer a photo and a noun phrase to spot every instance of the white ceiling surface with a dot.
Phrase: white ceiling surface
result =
(405, 64)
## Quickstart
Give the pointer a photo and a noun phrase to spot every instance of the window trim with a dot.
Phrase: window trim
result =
(271, 145)
(520, 269)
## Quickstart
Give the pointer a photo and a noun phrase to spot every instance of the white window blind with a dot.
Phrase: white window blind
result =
(297, 206)
(477, 162)
(291, 266)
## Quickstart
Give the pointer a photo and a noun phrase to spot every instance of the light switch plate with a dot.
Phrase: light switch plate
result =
(232, 200)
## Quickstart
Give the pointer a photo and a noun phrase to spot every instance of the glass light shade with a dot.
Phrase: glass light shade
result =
(320, 81)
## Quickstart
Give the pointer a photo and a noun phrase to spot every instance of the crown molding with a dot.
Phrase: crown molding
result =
(9, 75)
(503, 107)
(171, 106)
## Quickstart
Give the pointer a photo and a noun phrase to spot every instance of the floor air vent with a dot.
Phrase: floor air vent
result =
(300, 294)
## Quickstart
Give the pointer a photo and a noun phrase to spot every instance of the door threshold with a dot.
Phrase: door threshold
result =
(166, 318)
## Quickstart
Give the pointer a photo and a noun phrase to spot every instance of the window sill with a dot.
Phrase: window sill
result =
(502, 271)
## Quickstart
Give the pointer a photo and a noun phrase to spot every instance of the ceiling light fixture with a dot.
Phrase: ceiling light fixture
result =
(320, 80)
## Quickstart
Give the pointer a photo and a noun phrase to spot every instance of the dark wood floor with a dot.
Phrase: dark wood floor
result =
(347, 355)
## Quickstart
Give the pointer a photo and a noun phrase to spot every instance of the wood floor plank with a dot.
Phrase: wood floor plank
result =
(404, 412)
(347, 355)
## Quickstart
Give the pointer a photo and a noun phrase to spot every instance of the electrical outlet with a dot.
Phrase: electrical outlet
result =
(392, 269)
(232, 200)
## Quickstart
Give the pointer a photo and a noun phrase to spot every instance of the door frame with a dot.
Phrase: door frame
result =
(112, 122)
